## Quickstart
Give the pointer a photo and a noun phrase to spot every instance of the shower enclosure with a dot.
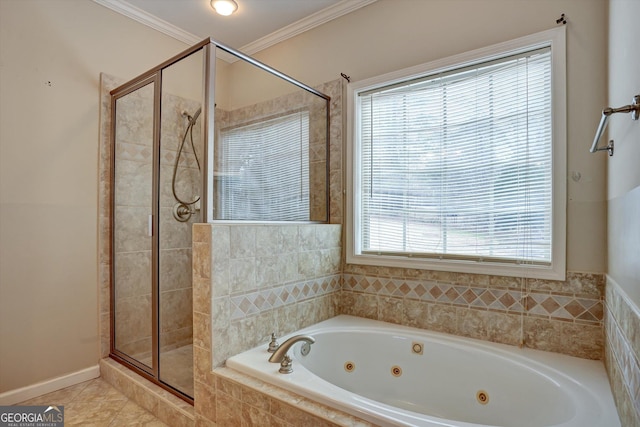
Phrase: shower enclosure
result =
(208, 135)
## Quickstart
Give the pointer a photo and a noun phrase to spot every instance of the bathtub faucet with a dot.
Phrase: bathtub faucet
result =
(281, 352)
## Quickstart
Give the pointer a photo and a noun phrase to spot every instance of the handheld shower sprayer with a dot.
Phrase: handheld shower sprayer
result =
(196, 115)
(183, 210)
(192, 119)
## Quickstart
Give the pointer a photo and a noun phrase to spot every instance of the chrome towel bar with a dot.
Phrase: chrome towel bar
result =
(634, 109)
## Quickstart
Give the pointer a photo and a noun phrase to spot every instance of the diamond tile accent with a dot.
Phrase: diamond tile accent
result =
(420, 290)
(245, 305)
(295, 292)
(507, 300)
(469, 296)
(588, 316)
(260, 302)
(377, 285)
(550, 305)
(597, 311)
(435, 291)
(574, 308)
(284, 296)
(404, 288)
(452, 294)
(390, 288)
(487, 297)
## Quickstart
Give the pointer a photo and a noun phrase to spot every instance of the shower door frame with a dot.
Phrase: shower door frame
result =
(154, 75)
(114, 352)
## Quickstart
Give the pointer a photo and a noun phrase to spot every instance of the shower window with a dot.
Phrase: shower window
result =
(455, 166)
(264, 169)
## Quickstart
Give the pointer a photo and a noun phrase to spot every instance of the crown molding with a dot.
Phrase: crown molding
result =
(298, 27)
(145, 18)
(305, 24)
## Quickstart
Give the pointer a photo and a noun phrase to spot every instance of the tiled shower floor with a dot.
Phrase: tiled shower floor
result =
(96, 403)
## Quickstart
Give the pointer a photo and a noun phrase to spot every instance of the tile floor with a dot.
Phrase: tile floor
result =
(96, 403)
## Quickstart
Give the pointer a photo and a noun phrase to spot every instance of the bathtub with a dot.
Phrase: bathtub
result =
(394, 375)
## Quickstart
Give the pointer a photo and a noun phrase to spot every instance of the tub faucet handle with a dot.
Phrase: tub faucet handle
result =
(273, 345)
(286, 366)
(279, 355)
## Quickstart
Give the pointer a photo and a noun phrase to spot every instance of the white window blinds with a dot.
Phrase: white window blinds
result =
(264, 170)
(458, 165)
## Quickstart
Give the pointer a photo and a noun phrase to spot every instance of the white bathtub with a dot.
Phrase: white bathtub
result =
(454, 382)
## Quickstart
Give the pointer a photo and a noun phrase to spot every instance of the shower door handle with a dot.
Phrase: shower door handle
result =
(150, 229)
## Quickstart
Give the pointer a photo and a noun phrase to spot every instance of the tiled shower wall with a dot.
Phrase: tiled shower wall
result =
(622, 352)
(176, 323)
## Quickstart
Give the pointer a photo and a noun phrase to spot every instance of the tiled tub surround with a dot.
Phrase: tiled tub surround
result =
(240, 298)
(263, 279)
(622, 352)
(251, 280)
(558, 316)
(440, 384)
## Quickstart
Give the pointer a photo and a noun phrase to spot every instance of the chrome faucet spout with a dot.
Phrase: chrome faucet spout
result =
(281, 352)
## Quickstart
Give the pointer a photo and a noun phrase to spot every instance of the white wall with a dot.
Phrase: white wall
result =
(393, 34)
(624, 167)
(51, 55)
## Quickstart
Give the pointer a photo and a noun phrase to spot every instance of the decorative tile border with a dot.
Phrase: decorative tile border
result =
(547, 304)
(254, 303)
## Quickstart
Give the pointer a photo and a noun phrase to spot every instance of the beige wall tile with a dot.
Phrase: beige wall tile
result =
(205, 401)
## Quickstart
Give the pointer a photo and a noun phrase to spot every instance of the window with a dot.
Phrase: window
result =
(460, 166)
(264, 170)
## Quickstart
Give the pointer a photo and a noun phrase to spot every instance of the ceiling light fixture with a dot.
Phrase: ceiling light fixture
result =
(224, 7)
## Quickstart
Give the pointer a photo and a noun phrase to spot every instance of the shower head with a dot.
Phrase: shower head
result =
(196, 115)
(192, 119)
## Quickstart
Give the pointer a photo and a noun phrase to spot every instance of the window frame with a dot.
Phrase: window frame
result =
(555, 39)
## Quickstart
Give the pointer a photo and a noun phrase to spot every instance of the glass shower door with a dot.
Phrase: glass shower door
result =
(157, 154)
(132, 251)
(181, 159)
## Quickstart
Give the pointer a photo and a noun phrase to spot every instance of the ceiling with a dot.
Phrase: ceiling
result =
(256, 25)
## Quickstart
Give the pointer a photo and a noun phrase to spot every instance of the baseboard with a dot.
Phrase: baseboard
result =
(12, 397)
